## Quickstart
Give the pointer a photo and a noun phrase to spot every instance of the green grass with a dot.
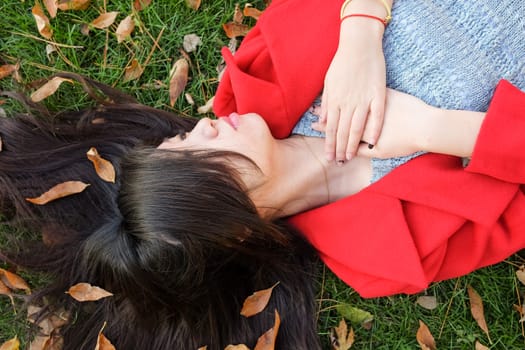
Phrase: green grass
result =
(395, 318)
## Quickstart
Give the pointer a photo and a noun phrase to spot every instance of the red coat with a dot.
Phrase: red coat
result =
(428, 220)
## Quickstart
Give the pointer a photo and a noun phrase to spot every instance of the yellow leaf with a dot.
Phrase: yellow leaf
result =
(340, 338)
(63, 189)
(103, 167)
(140, 5)
(13, 281)
(193, 4)
(125, 28)
(42, 22)
(65, 5)
(12, 344)
(48, 89)
(236, 347)
(87, 292)
(104, 20)
(476, 308)
(424, 337)
(179, 79)
(256, 302)
(267, 340)
(480, 346)
(133, 71)
(250, 11)
(51, 7)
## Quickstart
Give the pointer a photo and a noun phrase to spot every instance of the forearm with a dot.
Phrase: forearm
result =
(452, 132)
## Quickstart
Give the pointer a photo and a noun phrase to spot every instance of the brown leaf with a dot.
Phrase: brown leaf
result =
(340, 338)
(193, 4)
(267, 340)
(480, 346)
(87, 292)
(140, 5)
(520, 274)
(476, 308)
(4, 290)
(12, 344)
(13, 281)
(237, 15)
(424, 337)
(233, 30)
(179, 79)
(48, 88)
(65, 5)
(256, 302)
(133, 71)
(103, 343)
(103, 167)
(63, 189)
(125, 28)
(236, 347)
(250, 11)
(51, 7)
(205, 347)
(6, 70)
(42, 22)
(104, 20)
(428, 302)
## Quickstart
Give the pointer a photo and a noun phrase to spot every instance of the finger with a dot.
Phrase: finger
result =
(374, 125)
(324, 109)
(356, 131)
(321, 127)
(364, 151)
(343, 132)
(330, 133)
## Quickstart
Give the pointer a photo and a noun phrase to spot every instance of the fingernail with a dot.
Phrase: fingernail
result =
(370, 146)
(340, 162)
(349, 156)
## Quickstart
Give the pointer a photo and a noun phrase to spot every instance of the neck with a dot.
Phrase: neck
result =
(303, 179)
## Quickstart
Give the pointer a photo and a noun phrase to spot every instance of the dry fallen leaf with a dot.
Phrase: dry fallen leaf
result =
(340, 338)
(103, 167)
(6, 70)
(424, 337)
(205, 347)
(520, 274)
(140, 5)
(125, 28)
(236, 347)
(65, 5)
(63, 189)
(42, 22)
(179, 79)
(476, 308)
(48, 88)
(188, 98)
(104, 20)
(428, 302)
(133, 71)
(233, 30)
(250, 11)
(237, 15)
(267, 340)
(190, 42)
(480, 346)
(4, 290)
(12, 344)
(193, 4)
(51, 7)
(256, 302)
(206, 108)
(87, 292)
(103, 343)
(13, 281)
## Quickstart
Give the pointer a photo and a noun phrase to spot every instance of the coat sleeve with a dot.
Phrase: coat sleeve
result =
(431, 219)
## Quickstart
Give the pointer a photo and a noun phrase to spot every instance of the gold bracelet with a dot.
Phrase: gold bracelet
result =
(388, 17)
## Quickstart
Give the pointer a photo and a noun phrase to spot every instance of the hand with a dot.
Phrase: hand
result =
(353, 98)
(409, 123)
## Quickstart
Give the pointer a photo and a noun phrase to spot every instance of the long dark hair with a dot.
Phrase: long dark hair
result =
(176, 239)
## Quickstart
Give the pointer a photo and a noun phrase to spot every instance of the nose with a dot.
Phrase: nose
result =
(206, 127)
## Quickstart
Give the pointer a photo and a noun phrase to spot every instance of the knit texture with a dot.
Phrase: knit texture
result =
(451, 54)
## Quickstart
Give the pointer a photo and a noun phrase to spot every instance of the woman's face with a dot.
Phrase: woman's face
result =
(247, 134)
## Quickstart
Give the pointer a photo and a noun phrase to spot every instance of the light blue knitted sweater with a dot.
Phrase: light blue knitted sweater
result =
(449, 53)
